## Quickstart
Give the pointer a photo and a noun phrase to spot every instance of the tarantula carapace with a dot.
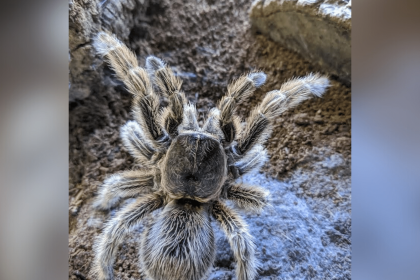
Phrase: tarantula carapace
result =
(187, 170)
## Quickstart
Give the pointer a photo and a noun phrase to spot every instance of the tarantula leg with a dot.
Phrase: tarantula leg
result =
(291, 93)
(253, 160)
(138, 146)
(189, 121)
(238, 91)
(170, 86)
(240, 241)
(212, 124)
(163, 76)
(145, 103)
(107, 244)
(124, 63)
(247, 197)
(122, 185)
(147, 112)
(173, 115)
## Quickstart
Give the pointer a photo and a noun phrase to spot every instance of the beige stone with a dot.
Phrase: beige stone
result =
(318, 30)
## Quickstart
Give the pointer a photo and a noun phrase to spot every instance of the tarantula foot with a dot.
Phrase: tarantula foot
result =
(153, 64)
(258, 78)
(247, 270)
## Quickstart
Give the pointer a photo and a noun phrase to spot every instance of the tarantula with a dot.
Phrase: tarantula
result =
(188, 170)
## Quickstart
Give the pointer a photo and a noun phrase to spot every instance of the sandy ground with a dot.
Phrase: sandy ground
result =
(306, 232)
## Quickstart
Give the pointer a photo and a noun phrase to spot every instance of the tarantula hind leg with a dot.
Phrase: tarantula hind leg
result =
(121, 185)
(240, 241)
(107, 244)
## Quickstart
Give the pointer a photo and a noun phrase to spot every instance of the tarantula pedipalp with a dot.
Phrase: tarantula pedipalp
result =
(187, 170)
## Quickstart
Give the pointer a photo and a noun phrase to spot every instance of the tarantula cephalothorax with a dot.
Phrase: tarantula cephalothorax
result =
(187, 170)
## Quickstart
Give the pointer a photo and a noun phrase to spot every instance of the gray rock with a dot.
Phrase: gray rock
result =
(320, 30)
(301, 119)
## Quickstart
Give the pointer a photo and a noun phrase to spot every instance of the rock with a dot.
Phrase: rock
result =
(320, 30)
(330, 129)
(343, 141)
(301, 119)
(318, 119)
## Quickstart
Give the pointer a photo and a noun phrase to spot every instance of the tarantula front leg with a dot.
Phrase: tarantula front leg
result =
(238, 92)
(291, 93)
(145, 102)
(124, 184)
(247, 197)
(240, 241)
(170, 86)
(107, 244)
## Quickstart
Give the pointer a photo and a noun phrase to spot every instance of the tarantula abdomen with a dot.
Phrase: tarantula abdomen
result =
(180, 242)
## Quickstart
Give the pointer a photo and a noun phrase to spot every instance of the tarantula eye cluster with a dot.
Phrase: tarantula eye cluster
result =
(188, 170)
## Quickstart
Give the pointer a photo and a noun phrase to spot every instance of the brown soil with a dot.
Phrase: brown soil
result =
(208, 43)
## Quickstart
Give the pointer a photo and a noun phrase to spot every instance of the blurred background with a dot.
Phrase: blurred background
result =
(385, 140)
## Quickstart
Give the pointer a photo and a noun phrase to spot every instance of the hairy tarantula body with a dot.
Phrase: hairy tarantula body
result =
(187, 170)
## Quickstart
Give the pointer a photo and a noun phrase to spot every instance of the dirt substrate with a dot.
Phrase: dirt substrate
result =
(306, 232)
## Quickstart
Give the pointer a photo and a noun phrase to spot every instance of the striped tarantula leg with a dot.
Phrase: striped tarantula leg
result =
(124, 63)
(106, 245)
(147, 113)
(136, 143)
(240, 241)
(145, 102)
(162, 76)
(122, 185)
(170, 86)
(238, 92)
(212, 124)
(251, 161)
(247, 197)
(291, 93)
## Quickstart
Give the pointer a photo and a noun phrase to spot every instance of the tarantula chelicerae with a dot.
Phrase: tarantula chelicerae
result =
(188, 170)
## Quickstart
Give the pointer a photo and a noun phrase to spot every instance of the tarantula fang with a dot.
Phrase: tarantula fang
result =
(187, 171)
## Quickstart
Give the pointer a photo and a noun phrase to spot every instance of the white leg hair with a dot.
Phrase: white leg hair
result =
(170, 86)
(124, 63)
(122, 185)
(136, 143)
(252, 161)
(162, 76)
(190, 118)
(238, 92)
(240, 241)
(251, 198)
(106, 245)
(212, 124)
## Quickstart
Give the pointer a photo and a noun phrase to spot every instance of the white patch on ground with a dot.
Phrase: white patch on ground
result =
(300, 235)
